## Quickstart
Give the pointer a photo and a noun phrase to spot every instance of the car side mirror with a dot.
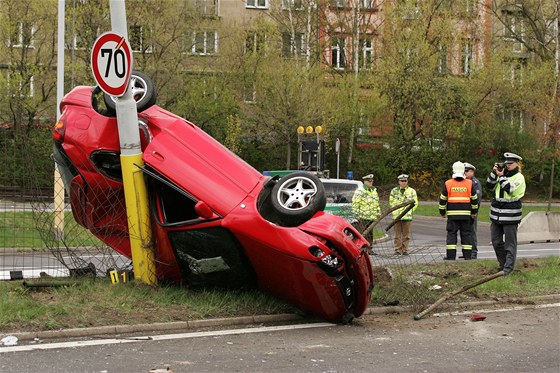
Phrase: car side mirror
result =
(203, 210)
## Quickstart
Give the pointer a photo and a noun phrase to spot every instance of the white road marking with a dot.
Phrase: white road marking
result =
(59, 345)
(516, 308)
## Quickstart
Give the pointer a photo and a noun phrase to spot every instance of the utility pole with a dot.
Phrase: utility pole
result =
(135, 191)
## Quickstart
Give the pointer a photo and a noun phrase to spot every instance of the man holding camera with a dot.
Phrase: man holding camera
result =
(508, 187)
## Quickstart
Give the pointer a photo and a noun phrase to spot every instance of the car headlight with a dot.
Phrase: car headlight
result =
(316, 252)
(331, 261)
(349, 234)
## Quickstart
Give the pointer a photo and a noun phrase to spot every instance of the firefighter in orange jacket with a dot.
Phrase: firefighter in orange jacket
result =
(459, 202)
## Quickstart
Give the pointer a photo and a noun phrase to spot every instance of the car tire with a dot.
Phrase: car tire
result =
(296, 198)
(143, 91)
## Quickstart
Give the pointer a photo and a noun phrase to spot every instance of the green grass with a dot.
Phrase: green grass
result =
(412, 284)
(98, 302)
(483, 214)
(26, 229)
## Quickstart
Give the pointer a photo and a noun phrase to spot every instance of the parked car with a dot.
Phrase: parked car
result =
(216, 221)
(339, 193)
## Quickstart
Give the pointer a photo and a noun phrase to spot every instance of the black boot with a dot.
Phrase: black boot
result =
(450, 254)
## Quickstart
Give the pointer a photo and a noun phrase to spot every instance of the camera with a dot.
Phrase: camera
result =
(500, 166)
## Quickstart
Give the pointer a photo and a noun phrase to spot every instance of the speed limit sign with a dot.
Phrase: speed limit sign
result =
(111, 63)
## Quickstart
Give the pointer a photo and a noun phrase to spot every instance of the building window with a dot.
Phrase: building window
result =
(204, 43)
(517, 74)
(84, 39)
(512, 115)
(467, 58)
(471, 6)
(366, 53)
(293, 47)
(138, 40)
(17, 87)
(514, 31)
(258, 4)
(206, 7)
(249, 92)
(338, 4)
(367, 4)
(292, 4)
(338, 55)
(22, 35)
(442, 67)
(254, 42)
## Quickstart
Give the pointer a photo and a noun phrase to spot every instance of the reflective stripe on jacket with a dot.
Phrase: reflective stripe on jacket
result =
(400, 195)
(365, 203)
(458, 199)
(508, 190)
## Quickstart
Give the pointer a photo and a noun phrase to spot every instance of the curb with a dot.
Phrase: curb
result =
(235, 321)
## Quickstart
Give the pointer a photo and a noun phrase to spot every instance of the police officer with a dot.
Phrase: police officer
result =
(469, 174)
(365, 204)
(508, 187)
(458, 200)
(400, 194)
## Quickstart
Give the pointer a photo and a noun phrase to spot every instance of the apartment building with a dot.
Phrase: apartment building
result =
(344, 36)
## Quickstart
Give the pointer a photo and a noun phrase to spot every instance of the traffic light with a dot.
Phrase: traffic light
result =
(312, 155)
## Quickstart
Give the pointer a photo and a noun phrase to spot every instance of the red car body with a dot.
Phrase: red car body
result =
(320, 265)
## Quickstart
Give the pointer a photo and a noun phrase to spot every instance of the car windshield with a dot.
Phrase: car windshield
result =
(339, 192)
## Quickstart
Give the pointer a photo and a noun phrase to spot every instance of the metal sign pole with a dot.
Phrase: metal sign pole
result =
(337, 148)
(135, 191)
(58, 191)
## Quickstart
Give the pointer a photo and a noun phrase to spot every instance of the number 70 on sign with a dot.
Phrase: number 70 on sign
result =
(111, 63)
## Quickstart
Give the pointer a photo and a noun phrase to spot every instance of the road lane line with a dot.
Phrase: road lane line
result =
(97, 342)
(516, 308)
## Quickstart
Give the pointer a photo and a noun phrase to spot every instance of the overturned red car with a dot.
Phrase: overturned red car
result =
(216, 221)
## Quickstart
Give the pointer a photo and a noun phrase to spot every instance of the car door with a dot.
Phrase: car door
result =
(189, 235)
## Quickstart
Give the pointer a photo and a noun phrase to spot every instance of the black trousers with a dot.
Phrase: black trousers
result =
(464, 228)
(504, 241)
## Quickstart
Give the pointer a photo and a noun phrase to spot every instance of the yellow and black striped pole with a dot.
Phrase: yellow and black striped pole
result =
(135, 191)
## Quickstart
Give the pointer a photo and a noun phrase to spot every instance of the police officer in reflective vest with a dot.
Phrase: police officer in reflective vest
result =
(458, 200)
(508, 187)
(400, 194)
(365, 205)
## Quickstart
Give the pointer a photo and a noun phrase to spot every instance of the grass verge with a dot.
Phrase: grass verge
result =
(97, 302)
(483, 213)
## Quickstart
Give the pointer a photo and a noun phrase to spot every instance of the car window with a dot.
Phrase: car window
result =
(339, 192)
(170, 204)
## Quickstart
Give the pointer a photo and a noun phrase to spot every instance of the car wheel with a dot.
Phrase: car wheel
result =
(143, 91)
(297, 197)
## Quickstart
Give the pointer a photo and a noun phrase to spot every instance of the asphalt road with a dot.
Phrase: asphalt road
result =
(427, 245)
(508, 341)
(526, 340)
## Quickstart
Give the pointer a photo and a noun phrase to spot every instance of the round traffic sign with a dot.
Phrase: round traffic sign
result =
(111, 63)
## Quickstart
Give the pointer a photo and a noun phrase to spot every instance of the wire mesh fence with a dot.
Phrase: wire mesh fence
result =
(41, 236)
(38, 236)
